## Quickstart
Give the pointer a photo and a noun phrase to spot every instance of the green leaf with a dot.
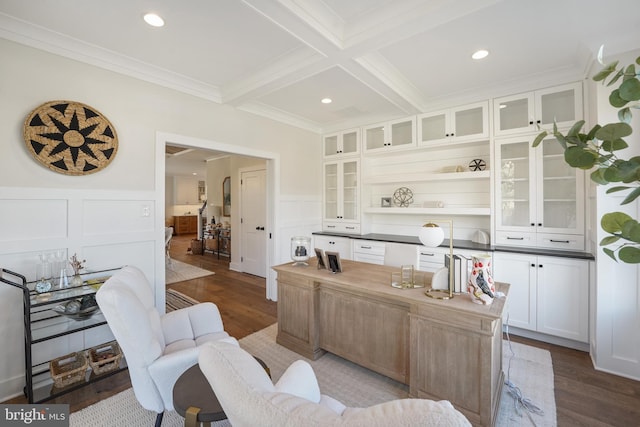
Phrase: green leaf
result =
(597, 176)
(613, 131)
(575, 129)
(613, 222)
(631, 231)
(631, 196)
(592, 133)
(561, 139)
(629, 255)
(629, 72)
(638, 60)
(615, 100)
(615, 78)
(539, 138)
(618, 144)
(609, 240)
(610, 253)
(602, 74)
(630, 89)
(624, 115)
(578, 157)
(616, 189)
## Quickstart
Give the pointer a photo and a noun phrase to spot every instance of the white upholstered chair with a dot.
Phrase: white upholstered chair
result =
(157, 348)
(397, 254)
(249, 397)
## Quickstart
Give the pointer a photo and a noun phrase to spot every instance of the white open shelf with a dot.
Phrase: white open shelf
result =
(422, 177)
(430, 211)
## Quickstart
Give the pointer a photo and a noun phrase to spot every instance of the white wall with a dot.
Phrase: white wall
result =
(615, 340)
(99, 216)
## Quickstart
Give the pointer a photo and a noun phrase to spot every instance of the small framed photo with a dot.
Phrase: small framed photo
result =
(320, 255)
(333, 262)
(385, 202)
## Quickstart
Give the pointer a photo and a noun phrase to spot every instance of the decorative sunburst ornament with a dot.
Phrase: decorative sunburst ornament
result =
(477, 165)
(70, 137)
(403, 197)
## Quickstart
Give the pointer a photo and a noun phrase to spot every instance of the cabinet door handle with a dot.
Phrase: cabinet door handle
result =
(261, 228)
(558, 241)
(533, 224)
(531, 122)
(257, 228)
(540, 265)
(515, 238)
(533, 265)
(539, 224)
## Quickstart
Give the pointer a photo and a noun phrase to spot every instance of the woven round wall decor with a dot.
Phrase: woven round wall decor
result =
(70, 137)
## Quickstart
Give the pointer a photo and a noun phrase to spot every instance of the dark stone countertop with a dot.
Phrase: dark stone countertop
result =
(462, 244)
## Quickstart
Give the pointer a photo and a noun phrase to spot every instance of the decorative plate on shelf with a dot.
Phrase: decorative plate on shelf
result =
(477, 165)
(402, 197)
(70, 137)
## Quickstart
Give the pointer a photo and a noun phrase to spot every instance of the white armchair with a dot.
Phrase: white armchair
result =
(157, 348)
(249, 398)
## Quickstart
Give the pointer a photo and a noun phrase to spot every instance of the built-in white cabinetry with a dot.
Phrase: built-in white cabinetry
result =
(341, 144)
(342, 196)
(185, 191)
(431, 259)
(539, 198)
(455, 125)
(370, 251)
(548, 294)
(391, 135)
(342, 245)
(525, 112)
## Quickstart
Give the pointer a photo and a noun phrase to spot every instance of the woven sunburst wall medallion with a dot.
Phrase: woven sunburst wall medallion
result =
(70, 137)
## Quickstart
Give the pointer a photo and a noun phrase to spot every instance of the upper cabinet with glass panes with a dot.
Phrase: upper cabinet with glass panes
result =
(455, 125)
(397, 134)
(527, 112)
(341, 144)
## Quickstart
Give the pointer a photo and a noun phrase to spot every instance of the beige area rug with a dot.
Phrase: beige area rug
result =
(178, 271)
(530, 369)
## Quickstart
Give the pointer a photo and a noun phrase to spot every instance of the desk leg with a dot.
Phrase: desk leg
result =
(191, 417)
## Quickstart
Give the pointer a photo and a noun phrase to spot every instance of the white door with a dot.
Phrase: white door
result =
(253, 222)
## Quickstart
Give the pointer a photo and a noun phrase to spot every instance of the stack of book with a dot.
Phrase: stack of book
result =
(461, 271)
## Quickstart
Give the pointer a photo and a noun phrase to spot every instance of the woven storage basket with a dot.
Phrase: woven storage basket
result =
(196, 247)
(68, 369)
(211, 244)
(105, 357)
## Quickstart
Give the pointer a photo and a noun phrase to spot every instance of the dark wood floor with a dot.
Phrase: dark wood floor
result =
(584, 396)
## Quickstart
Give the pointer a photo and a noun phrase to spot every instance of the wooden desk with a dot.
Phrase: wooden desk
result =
(448, 350)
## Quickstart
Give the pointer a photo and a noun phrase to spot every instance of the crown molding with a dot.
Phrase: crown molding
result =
(278, 115)
(40, 38)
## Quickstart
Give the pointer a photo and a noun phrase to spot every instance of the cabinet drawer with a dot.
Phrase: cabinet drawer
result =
(570, 242)
(368, 247)
(341, 227)
(515, 238)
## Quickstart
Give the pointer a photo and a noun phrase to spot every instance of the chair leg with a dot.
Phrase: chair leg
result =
(159, 419)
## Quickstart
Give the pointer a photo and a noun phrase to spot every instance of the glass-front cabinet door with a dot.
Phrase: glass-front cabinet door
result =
(515, 209)
(528, 111)
(560, 191)
(341, 191)
(536, 190)
(386, 136)
(342, 143)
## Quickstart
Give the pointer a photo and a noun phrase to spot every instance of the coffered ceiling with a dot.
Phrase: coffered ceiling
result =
(376, 59)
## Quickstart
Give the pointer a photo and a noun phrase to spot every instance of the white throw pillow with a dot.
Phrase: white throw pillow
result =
(300, 380)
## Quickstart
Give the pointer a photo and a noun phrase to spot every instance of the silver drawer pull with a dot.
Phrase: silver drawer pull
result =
(515, 238)
(350, 228)
(365, 247)
(559, 241)
(422, 253)
(331, 226)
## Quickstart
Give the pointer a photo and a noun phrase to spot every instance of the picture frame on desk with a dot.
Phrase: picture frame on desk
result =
(333, 262)
(320, 255)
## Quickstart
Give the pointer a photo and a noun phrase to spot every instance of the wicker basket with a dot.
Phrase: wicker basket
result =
(68, 369)
(105, 357)
(196, 247)
(211, 244)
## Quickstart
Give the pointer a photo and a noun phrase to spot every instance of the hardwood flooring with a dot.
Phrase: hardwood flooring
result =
(584, 396)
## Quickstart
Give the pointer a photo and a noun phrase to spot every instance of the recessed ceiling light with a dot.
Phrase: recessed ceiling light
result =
(194, 173)
(153, 20)
(480, 54)
(326, 100)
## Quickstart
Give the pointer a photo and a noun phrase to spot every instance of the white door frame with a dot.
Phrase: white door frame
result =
(273, 194)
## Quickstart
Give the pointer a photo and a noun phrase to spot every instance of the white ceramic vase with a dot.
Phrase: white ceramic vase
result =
(481, 287)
